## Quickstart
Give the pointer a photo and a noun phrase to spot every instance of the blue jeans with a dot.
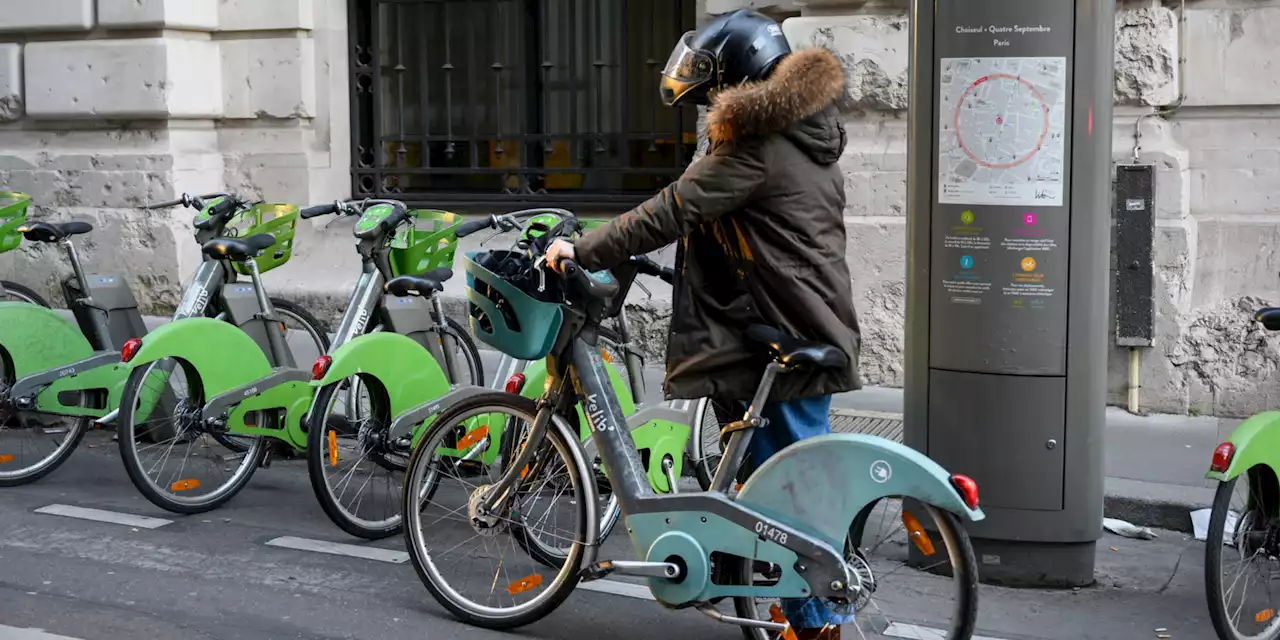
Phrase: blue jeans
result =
(790, 422)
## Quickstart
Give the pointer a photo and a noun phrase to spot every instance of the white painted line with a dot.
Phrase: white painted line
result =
(917, 632)
(615, 588)
(14, 633)
(98, 515)
(339, 549)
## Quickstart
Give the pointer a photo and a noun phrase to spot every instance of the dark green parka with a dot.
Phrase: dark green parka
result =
(760, 221)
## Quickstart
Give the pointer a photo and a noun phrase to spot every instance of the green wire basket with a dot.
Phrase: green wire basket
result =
(430, 243)
(13, 214)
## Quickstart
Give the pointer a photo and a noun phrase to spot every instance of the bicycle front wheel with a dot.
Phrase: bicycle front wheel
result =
(915, 568)
(462, 553)
(1240, 558)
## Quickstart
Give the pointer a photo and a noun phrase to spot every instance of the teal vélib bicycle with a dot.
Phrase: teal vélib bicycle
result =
(809, 516)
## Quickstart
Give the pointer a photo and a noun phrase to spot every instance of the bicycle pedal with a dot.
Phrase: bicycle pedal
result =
(597, 571)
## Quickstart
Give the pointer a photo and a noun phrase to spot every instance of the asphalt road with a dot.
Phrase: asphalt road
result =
(215, 576)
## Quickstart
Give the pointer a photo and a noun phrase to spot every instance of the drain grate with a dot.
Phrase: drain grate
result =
(872, 423)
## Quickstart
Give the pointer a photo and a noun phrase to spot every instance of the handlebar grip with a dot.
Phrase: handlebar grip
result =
(467, 228)
(163, 205)
(667, 275)
(319, 210)
(591, 286)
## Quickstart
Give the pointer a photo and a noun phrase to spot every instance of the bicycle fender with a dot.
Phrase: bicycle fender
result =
(37, 339)
(405, 369)
(824, 482)
(1257, 441)
(222, 355)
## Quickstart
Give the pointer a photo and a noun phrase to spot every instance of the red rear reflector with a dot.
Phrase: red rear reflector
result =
(130, 349)
(967, 488)
(1222, 457)
(515, 383)
(320, 367)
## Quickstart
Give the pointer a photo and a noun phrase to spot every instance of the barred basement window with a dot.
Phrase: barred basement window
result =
(516, 102)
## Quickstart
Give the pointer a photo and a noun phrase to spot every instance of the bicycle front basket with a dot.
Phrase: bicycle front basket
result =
(279, 220)
(429, 244)
(504, 317)
(13, 213)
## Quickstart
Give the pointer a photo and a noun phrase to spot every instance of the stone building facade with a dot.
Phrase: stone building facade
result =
(107, 104)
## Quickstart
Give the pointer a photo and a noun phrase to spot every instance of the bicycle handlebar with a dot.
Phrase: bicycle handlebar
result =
(590, 285)
(319, 210)
(648, 267)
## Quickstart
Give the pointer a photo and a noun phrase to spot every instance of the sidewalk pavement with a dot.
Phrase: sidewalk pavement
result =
(1155, 465)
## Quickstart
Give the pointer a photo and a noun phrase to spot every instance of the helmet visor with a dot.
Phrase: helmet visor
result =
(689, 66)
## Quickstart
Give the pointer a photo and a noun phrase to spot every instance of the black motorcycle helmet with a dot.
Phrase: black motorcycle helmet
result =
(734, 48)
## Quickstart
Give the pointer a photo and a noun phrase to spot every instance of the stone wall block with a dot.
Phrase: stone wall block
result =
(197, 15)
(1146, 57)
(269, 78)
(872, 48)
(142, 78)
(261, 15)
(11, 103)
(46, 15)
(1233, 56)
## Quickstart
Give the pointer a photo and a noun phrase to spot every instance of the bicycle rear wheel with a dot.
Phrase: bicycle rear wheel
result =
(1240, 552)
(462, 555)
(934, 586)
(14, 292)
(169, 452)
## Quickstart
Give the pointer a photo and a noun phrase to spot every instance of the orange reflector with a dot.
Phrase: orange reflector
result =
(775, 614)
(184, 485)
(737, 487)
(6, 458)
(524, 584)
(524, 472)
(605, 354)
(918, 535)
(333, 448)
(475, 435)
(1264, 615)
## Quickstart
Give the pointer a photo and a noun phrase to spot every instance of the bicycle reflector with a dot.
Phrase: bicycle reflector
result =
(130, 349)
(320, 367)
(1222, 457)
(515, 383)
(967, 488)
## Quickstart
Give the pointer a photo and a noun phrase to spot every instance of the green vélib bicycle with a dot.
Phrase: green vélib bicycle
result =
(1242, 548)
(809, 511)
(13, 215)
(58, 377)
(240, 399)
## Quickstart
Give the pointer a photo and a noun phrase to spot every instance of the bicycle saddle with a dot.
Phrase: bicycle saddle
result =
(424, 284)
(238, 249)
(794, 352)
(1269, 317)
(53, 232)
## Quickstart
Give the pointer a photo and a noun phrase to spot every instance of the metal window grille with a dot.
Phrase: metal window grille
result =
(516, 102)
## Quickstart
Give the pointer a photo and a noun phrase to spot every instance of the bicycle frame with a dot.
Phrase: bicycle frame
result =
(663, 428)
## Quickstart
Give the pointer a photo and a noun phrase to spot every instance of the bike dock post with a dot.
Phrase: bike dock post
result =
(1008, 250)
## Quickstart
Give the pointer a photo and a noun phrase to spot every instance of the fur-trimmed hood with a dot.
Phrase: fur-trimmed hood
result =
(804, 85)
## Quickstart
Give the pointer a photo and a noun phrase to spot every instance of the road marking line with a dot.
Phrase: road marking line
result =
(98, 515)
(917, 632)
(339, 549)
(16, 633)
(615, 588)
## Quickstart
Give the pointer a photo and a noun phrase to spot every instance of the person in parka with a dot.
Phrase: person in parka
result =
(760, 225)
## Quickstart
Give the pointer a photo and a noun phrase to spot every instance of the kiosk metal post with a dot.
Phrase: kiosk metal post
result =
(1008, 231)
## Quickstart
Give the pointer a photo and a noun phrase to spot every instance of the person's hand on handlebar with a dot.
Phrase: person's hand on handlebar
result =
(559, 250)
